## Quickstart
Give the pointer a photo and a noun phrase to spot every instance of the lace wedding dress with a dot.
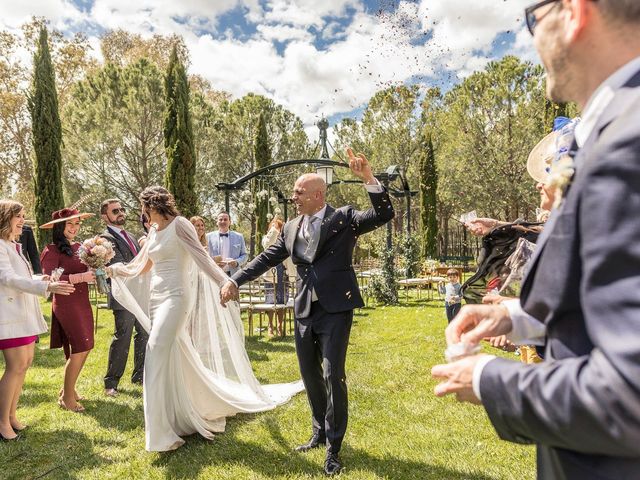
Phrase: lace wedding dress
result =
(196, 370)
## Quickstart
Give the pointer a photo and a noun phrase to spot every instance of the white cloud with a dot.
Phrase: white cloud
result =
(523, 46)
(282, 33)
(306, 12)
(58, 12)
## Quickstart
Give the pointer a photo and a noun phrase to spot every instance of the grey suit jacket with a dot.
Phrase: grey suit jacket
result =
(331, 272)
(582, 405)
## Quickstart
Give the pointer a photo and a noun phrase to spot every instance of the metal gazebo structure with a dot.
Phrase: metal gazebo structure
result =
(325, 167)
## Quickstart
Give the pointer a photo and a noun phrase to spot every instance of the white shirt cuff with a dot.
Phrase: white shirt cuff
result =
(477, 373)
(233, 281)
(526, 329)
(375, 188)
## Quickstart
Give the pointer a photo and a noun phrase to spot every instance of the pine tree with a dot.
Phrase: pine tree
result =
(428, 198)
(178, 139)
(47, 137)
(262, 155)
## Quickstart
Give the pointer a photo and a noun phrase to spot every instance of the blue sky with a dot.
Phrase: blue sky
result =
(315, 57)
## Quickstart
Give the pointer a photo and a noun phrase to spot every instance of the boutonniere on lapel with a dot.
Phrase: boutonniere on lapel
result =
(563, 166)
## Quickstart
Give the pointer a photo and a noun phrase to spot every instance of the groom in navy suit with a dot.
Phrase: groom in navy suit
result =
(320, 242)
(581, 296)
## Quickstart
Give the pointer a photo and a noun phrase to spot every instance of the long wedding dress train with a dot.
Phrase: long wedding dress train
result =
(196, 370)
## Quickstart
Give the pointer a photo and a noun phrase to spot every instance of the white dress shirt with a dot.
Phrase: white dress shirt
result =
(528, 330)
(224, 247)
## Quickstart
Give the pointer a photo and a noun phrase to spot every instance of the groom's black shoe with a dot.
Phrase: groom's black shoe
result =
(316, 440)
(332, 465)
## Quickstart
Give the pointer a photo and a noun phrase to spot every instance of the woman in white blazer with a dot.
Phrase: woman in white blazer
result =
(21, 319)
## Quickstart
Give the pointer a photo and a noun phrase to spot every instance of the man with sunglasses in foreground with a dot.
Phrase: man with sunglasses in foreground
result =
(581, 296)
(126, 248)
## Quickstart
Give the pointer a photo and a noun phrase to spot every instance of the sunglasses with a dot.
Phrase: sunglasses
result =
(530, 15)
(116, 211)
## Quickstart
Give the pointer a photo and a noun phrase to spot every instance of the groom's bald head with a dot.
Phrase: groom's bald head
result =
(309, 193)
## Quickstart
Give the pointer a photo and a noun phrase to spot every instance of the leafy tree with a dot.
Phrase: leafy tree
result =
(486, 127)
(388, 135)
(226, 150)
(122, 48)
(115, 144)
(70, 56)
(263, 159)
(47, 136)
(178, 139)
(428, 199)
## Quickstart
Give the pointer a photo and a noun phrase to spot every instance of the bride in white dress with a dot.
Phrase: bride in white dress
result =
(196, 370)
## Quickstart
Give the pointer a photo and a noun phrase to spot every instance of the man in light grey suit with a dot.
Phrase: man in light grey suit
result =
(581, 296)
(227, 244)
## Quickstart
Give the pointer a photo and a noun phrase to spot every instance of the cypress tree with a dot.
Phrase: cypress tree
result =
(178, 138)
(428, 199)
(47, 137)
(262, 155)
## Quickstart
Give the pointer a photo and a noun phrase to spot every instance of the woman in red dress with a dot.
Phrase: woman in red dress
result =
(72, 318)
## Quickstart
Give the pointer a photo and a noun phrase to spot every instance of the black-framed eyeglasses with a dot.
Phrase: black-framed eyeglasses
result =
(116, 211)
(530, 14)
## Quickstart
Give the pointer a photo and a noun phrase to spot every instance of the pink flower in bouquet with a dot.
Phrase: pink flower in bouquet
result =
(95, 253)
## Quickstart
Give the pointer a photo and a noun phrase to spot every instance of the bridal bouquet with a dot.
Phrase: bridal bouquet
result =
(95, 253)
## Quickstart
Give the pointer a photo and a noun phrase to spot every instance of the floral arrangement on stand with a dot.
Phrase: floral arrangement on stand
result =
(429, 266)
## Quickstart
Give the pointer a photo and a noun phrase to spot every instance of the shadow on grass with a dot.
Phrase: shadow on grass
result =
(279, 459)
(48, 358)
(52, 455)
(114, 415)
(259, 351)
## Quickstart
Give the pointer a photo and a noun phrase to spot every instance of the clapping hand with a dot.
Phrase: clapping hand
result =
(60, 288)
(360, 167)
(471, 325)
(228, 292)
(475, 322)
(457, 378)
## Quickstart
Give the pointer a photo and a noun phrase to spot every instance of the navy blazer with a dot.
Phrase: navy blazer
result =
(582, 405)
(331, 273)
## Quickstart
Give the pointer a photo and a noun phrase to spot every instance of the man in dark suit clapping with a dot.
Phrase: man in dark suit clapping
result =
(580, 298)
(126, 248)
(320, 242)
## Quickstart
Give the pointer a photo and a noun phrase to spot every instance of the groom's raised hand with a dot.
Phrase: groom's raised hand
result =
(360, 167)
(228, 292)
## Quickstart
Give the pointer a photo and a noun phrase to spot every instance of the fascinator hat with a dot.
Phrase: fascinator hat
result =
(64, 215)
(543, 154)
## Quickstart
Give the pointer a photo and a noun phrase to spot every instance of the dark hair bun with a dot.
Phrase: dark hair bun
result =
(159, 199)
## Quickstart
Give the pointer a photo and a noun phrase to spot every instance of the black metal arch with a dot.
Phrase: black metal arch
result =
(386, 178)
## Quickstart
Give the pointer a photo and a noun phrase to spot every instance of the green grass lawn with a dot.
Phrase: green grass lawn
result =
(397, 428)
